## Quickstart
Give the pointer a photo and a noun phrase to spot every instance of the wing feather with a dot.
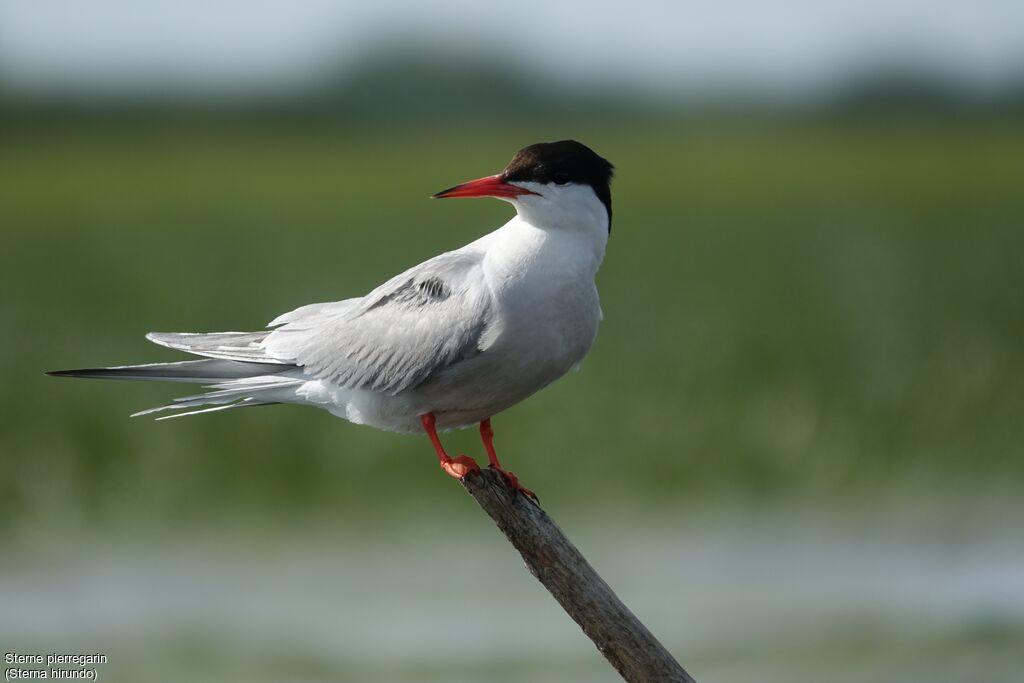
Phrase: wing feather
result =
(396, 337)
(237, 346)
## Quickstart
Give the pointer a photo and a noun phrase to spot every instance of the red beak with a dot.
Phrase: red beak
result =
(491, 186)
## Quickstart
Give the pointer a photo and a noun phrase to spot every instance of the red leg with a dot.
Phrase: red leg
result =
(487, 436)
(457, 467)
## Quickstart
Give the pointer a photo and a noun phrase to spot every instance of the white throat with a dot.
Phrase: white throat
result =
(554, 239)
(570, 216)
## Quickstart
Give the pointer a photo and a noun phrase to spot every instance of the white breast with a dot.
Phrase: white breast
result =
(547, 314)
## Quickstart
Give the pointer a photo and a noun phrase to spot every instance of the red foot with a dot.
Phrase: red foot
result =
(459, 466)
(462, 465)
(487, 436)
(514, 481)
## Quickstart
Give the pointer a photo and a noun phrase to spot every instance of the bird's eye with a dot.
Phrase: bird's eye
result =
(560, 177)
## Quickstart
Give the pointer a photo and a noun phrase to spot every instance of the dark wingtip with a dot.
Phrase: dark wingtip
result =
(85, 372)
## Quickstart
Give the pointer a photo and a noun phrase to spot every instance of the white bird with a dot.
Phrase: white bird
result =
(448, 343)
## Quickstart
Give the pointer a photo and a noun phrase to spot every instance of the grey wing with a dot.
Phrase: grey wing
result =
(395, 338)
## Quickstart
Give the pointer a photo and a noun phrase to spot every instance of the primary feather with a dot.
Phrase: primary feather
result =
(194, 371)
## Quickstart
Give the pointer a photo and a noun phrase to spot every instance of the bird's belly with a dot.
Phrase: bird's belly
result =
(528, 355)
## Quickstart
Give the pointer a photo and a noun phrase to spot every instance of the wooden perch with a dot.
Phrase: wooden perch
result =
(625, 642)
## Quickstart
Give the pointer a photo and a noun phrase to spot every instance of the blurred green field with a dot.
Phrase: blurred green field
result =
(817, 311)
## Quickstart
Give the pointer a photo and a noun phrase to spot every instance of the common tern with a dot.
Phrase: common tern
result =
(448, 343)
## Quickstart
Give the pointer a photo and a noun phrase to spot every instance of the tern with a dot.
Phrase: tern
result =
(446, 344)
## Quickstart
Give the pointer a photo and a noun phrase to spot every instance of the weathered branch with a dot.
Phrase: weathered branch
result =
(625, 642)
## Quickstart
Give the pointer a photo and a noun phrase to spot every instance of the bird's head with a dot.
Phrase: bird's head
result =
(550, 184)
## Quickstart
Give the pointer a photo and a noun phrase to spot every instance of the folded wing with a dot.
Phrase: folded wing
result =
(396, 337)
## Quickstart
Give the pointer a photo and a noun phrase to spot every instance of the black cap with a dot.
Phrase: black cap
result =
(563, 162)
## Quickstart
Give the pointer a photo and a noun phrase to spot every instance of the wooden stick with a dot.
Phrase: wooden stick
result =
(551, 557)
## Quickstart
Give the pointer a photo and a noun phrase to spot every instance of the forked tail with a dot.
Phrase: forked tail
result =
(240, 374)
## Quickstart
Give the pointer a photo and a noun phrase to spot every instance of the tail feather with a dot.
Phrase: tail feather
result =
(237, 369)
(261, 389)
(247, 403)
(195, 371)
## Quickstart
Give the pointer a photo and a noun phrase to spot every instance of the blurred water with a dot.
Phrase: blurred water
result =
(451, 601)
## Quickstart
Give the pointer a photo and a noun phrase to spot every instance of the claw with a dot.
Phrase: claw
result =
(513, 480)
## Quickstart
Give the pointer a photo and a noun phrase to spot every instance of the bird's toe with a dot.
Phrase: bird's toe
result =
(460, 466)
